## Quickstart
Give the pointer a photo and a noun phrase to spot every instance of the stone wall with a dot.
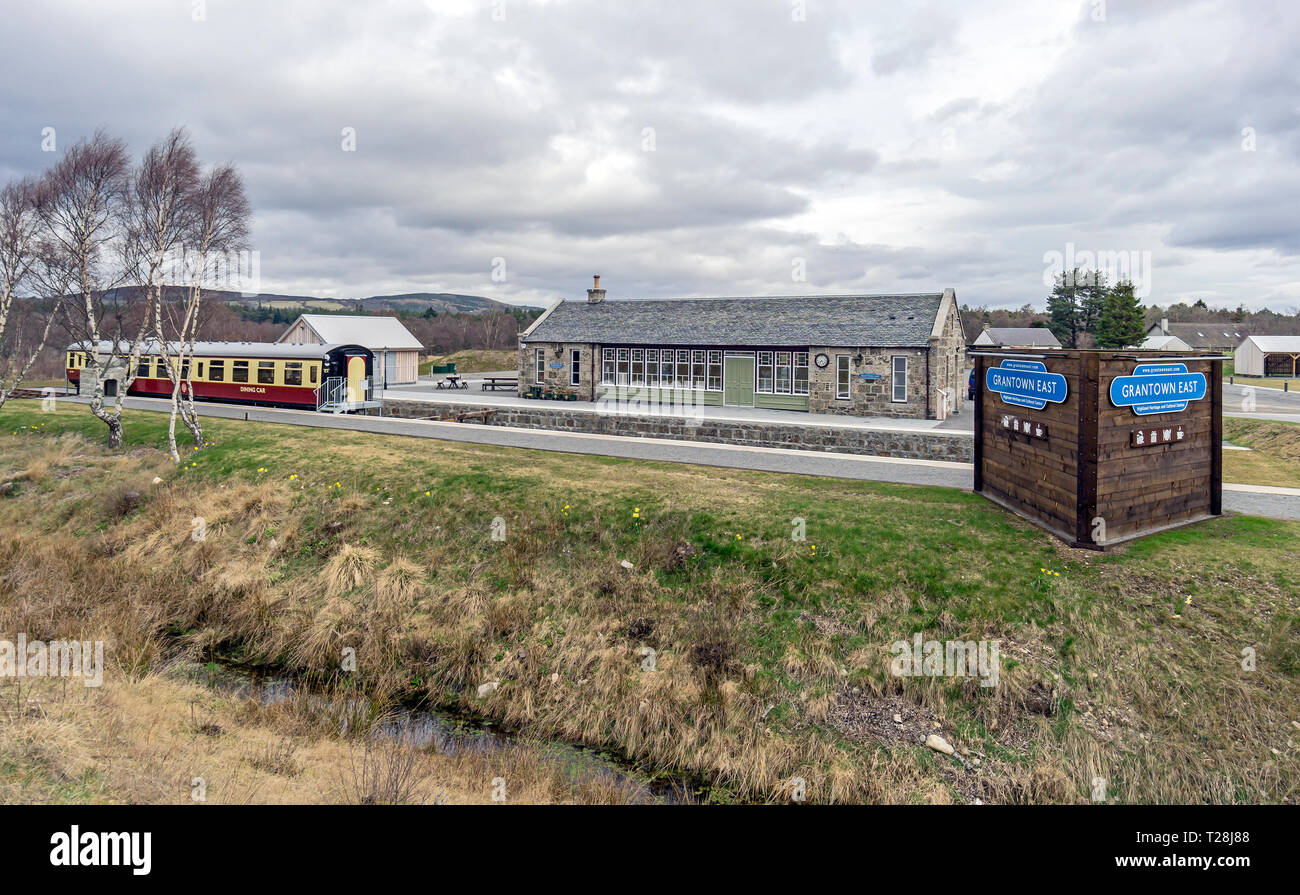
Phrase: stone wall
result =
(923, 445)
(561, 378)
(872, 397)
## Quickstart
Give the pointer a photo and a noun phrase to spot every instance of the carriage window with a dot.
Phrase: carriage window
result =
(161, 371)
(216, 370)
(315, 368)
(239, 371)
(142, 368)
(293, 373)
(185, 370)
(266, 372)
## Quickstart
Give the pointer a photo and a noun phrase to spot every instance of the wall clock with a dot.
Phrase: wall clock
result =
(822, 360)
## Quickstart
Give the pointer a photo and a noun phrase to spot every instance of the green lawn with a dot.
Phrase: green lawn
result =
(771, 655)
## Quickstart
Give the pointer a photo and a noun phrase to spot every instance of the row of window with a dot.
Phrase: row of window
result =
(782, 373)
(662, 368)
(262, 372)
(778, 372)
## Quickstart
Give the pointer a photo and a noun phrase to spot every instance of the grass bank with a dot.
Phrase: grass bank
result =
(475, 360)
(1274, 455)
(728, 649)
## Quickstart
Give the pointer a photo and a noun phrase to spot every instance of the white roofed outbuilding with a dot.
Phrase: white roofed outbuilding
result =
(1268, 356)
(397, 352)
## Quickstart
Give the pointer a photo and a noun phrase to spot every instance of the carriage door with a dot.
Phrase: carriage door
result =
(356, 376)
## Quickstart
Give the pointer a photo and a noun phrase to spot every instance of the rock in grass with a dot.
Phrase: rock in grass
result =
(625, 564)
(939, 744)
(487, 689)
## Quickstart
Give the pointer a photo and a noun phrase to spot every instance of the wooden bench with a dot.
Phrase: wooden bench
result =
(492, 383)
(451, 382)
(481, 416)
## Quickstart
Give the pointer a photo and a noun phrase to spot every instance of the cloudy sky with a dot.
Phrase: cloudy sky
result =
(512, 148)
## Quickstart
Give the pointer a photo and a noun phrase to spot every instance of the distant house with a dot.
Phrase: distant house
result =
(1224, 337)
(1163, 343)
(397, 352)
(1016, 337)
(1268, 356)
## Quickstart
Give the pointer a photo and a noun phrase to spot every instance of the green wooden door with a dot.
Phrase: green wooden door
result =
(738, 381)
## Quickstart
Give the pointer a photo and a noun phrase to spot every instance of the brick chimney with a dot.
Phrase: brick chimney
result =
(595, 294)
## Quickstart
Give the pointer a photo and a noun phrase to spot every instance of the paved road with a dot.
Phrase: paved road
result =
(1278, 503)
(1269, 403)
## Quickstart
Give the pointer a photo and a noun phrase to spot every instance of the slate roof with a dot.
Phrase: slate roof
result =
(1018, 337)
(1204, 335)
(372, 331)
(870, 321)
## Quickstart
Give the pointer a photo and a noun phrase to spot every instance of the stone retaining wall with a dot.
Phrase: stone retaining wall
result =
(922, 445)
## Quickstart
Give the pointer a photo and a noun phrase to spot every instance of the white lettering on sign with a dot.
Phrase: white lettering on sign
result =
(252, 388)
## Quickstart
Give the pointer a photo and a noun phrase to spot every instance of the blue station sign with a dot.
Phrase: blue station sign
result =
(1157, 388)
(556, 365)
(1026, 384)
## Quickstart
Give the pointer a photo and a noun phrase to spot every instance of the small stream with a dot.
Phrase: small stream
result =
(449, 734)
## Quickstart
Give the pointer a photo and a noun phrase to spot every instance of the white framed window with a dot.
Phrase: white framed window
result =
(539, 364)
(623, 368)
(801, 372)
(607, 366)
(842, 377)
(765, 375)
(575, 366)
(638, 366)
(697, 370)
(715, 371)
(783, 373)
(652, 367)
(900, 380)
(665, 368)
(683, 368)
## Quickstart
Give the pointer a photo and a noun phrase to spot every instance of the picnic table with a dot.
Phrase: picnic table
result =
(451, 382)
(492, 383)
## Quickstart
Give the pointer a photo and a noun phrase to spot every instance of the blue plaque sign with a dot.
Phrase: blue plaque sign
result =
(1026, 384)
(1157, 388)
(555, 365)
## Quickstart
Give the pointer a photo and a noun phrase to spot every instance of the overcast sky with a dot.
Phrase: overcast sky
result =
(705, 147)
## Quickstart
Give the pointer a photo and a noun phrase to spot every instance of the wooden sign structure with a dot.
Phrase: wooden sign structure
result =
(1131, 441)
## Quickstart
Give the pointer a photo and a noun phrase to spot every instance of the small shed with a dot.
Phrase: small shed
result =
(1268, 356)
(397, 352)
(1099, 447)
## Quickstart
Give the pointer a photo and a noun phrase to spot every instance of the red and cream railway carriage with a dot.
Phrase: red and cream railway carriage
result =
(311, 376)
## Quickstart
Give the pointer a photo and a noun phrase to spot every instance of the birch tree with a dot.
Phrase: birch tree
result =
(161, 215)
(219, 229)
(79, 203)
(22, 337)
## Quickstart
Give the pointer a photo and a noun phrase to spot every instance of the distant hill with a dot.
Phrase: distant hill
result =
(410, 302)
